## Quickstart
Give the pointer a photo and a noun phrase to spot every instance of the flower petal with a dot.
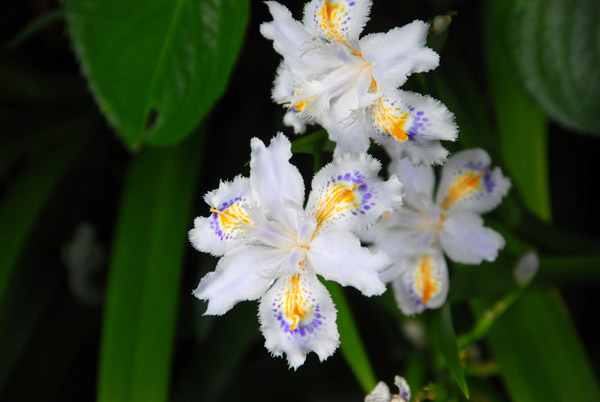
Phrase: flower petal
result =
(338, 20)
(338, 256)
(423, 282)
(402, 233)
(287, 34)
(468, 184)
(410, 124)
(244, 273)
(399, 53)
(223, 230)
(466, 240)
(297, 316)
(418, 181)
(347, 194)
(346, 122)
(275, 181)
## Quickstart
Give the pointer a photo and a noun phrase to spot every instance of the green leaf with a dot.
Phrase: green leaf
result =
(310, 144)
(555, 45)
(156, 67)
(145, 267)
(352, 346)
(537, 348)
(22, 204)
(445, 339)
(539, 353)
(521, 123)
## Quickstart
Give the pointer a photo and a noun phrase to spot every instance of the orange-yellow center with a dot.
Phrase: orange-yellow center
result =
(232, 216)
(294, 301)
(391, 120)
(425, 280)
(336, 199)
(328, 14)
(463, 185)
(299, 106)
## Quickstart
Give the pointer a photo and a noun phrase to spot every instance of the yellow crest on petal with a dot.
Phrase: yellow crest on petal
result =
(425, 280)
(462, 186)
(390, 119)
(229, 221)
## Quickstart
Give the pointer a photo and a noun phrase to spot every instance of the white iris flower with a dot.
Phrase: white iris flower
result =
(273, 248)
(350, 85)
(417, 236)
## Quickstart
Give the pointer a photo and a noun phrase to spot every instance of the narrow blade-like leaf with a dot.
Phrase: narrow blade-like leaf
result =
(351, 345)
(445, 338)
(143, 286)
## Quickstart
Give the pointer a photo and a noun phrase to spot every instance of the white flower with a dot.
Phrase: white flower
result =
(349, 85)
(272, 248)
(417, 236)
(381, 392)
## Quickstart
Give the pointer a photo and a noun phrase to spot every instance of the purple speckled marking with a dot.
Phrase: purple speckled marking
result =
(414, 297)
(419, 124)
(302, 329)
(215, 223)
(366, 195)
(489, 181)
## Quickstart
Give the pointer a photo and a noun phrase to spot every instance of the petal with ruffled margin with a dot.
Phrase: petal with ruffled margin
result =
(347, 194)
(338, 256)
(297, 316)
(275, 181)
(466, 240)
(244, 273)
(222, 230)
(411, 125)
(399, 53)
(468, 184)
(338, 20)
(418, 181)
(346, 121)
(287, 34)
(283, 87)
(423, 282)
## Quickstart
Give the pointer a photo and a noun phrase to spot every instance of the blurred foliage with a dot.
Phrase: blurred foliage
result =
(555, 46)
(90, 88)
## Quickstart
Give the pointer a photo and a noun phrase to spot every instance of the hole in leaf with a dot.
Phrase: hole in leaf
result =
(151, 120)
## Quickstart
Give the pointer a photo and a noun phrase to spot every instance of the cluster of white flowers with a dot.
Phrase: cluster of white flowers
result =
(273, 246)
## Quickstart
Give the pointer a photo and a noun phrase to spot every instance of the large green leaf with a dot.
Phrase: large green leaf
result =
(539, 353)
(156, 67)
(555, 45)
(143, 285)
(525, 154)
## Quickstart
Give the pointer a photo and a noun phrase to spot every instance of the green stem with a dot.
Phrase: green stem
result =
(352, 346)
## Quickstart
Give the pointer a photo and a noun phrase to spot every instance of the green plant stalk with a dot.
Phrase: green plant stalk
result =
(487, 319)
(444, 337)
(352, 346)
(145, 267)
